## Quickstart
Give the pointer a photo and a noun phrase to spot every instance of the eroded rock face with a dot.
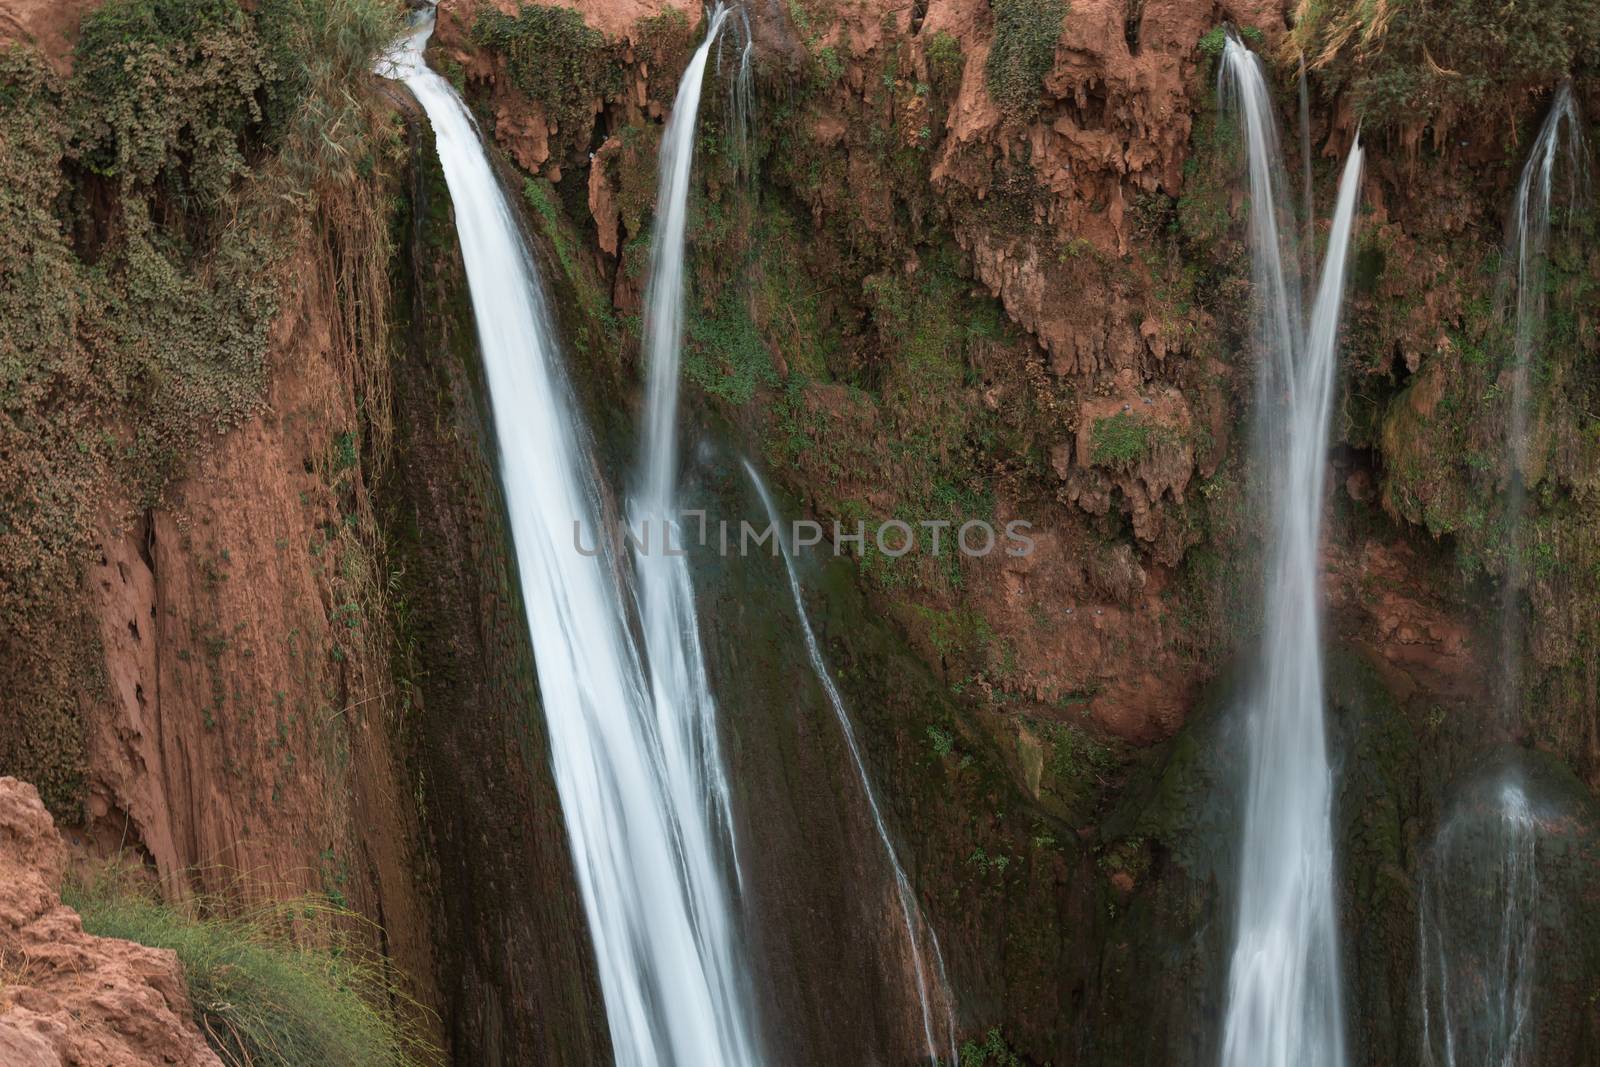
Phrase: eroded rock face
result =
(49, 25)
(67, 997)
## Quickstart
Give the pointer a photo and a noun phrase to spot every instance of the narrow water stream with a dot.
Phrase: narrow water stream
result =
(934, 997)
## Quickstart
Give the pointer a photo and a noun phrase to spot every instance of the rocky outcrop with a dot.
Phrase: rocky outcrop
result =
(49, 25)
(1099, 221)
(67, 997)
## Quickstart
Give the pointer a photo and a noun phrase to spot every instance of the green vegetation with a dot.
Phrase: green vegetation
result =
(279, 986)
(1211, 44)
(318, 50)
(1078, 767)
(151, 201)
(1023, 51)
(1119, 441)
(1204, 218)
(944, 64)
(554, 57)
(595, 329)
(162, 92)
(664, 43)
(992, 1051)
(1412, 65)
(830, 68)
(725, 355)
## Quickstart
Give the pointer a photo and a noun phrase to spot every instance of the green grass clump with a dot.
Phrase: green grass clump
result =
(1023, 51)
(260, 996)
(1119, 440)
(316, 49)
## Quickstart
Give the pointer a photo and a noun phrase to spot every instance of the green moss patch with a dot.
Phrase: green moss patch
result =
(1023, 51)
(1119, 441)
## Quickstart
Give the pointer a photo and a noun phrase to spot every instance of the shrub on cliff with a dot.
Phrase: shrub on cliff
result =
(317, 49)
(264, 993)
(1407, 66)
(992, 1051)
(164, 92)
(1022, 52)
(150, 202)
(554, 57)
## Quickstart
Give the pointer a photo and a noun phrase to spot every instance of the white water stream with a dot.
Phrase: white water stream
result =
(1284, 984)
(1528, 245)
(1476, 931)
(1477, 979)
(916, 926)
(640, 787)
(685, 709)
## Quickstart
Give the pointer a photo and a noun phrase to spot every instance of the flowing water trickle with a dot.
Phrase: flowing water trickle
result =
(1284, 984)
(741, 100)
(1476, 929)
(1308, 198)
(1477, 977)
(1528, 244)
(910, 913)
(636, 809)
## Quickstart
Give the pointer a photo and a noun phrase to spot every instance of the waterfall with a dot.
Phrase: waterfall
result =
(741, 101)
(910, 912)
(1308, 203)
(637, 822)
(1284, 987)
(1527, 244)
(1478, 976)
(1477, 979)
(685, 709)
(663, 324)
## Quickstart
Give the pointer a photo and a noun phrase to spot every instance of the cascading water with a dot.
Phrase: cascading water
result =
(910, 913)
(1284, 987)
(1476, 929)
(663, 324)
(741, 100)
(1527, 244)
(635, 806)
(686, 713)
(1477, 977)
(1308, 201)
